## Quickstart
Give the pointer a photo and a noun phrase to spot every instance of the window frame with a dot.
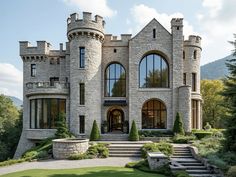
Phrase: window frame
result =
(81, 93)
(33, 70)
(109, 79)
(81, 57)
(80, 125)
(194, 82)
(162, 58)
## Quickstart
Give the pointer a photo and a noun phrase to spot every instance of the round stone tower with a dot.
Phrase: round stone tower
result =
(191, 73)
(85, 45)
(192, 52)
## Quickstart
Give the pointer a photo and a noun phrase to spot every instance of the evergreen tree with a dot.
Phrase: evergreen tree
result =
(62, 130)
(133, 135)
(230, 95)
(178, 125)
(95, 133)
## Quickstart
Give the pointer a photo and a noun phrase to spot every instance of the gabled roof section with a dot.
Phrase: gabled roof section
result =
(152, 23)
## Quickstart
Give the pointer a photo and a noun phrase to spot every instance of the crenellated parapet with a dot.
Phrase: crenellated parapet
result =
(110, 40)
(193, 41)
(85, 26)
(176, 22)
(40, 52)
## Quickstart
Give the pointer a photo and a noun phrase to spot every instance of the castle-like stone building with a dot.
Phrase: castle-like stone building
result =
(147, 78)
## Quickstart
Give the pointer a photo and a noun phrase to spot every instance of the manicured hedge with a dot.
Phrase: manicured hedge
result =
(133, 135)
(165, 148)
(202, 134)
(154, 133)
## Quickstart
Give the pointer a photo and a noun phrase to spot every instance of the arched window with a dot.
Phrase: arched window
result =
(115, 85)
(154, 115)
(153, 72)
(195, 54)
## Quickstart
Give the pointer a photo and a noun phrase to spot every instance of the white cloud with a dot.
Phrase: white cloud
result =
(142, 14)
(99, 7)
(11, 80)
(217, 25)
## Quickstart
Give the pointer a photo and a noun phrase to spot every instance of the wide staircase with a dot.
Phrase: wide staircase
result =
(195, 168)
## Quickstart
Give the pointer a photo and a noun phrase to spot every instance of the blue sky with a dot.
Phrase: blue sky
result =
(32, 20)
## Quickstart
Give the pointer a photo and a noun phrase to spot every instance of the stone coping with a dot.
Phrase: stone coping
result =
(71, 140)
(157, 155)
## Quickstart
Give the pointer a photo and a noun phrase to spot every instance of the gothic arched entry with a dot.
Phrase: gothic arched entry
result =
(115, 120)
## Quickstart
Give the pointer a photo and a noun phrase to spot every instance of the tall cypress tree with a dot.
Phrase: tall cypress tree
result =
(230, 95)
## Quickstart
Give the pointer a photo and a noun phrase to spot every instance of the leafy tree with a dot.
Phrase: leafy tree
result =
(230, 95)
(133, 135)
(62, 130)
(95, 133)
(213, 108)
(178, 125)
(10, 127)
(119, 86)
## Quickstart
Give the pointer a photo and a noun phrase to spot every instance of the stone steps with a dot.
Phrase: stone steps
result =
(125, 148)
(193, 167)
(114, 137)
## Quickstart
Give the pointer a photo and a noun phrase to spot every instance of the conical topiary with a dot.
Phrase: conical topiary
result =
(95, 133)
(62, 130)
(133, 135)
(178, 125)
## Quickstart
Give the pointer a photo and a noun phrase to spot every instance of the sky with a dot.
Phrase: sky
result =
(32, 20)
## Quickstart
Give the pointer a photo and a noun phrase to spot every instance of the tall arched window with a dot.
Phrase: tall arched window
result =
(153, 72)
(115, 85)
(154, 115)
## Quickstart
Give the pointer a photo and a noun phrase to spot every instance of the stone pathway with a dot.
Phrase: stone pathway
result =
(67, 164)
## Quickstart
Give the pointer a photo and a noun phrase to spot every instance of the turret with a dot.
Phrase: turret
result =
(85, 49)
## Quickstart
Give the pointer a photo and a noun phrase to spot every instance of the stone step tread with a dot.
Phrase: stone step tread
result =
(125, 155)
(198, 171)
(202, 175)
(196, 167)
(182, 154)
(180, 157)
(192, 164)
(181, 151)
(184, 160)
(124, 152)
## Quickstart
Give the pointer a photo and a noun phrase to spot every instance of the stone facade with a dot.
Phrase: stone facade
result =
(101, 51)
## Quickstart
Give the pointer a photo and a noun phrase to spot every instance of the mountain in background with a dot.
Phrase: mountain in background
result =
(16, 101)
(216, 69)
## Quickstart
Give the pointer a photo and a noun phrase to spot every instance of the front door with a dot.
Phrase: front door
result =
(116, 120)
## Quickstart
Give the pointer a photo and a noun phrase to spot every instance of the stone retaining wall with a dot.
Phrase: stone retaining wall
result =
(63, 148)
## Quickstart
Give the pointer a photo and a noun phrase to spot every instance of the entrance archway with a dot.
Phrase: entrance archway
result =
(115, 120)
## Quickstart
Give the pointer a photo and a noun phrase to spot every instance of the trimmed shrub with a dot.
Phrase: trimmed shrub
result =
(12, 161)
(149, 147)
(154, 133)
(95, 133)
(80, 156)
(202, 134)
(165, 148)
(62, 130)
(178, 125)
(183, 139)
(232, 172)
(133, 135)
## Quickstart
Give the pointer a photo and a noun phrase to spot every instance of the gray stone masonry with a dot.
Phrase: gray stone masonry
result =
(101, 50)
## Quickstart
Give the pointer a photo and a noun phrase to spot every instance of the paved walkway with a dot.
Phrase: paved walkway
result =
(66, 164)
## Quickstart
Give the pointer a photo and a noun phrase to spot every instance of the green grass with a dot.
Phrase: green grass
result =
(84, 172)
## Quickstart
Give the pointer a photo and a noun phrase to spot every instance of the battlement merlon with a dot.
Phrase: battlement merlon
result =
(42, 48)
(194, 41)
(123, 40)
(176, 22)
(74, 22)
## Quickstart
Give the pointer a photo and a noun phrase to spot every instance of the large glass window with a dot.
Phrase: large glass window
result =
(44, 112)
(153, 72)
(154, 115)
(81, 57)
(115, 78)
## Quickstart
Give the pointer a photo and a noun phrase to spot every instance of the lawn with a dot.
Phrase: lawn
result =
(85, 172)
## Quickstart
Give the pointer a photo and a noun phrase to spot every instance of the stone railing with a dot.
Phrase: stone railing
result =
(47, 88)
